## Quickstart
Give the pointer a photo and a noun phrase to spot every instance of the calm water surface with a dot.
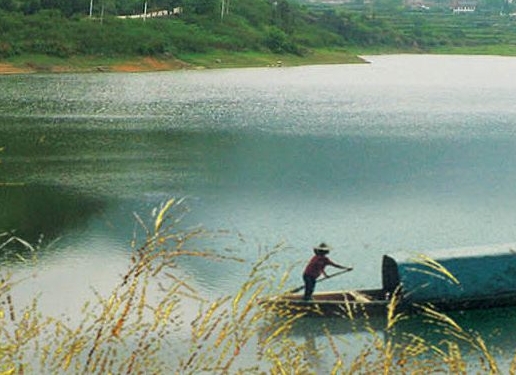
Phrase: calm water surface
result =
(405, 153)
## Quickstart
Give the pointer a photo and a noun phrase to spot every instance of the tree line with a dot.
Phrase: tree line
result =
(70, 8)
(81, 7)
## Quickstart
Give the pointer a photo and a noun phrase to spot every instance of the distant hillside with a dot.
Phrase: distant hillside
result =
(66, 28)
(200, 26)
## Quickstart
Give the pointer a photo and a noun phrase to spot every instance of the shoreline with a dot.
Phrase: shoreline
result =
(144, 64)
(31, 64)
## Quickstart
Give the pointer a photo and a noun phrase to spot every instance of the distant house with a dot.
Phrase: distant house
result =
(157, 13)
(464, 6)
(464, 9)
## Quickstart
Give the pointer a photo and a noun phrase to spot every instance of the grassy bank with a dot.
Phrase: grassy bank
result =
(211, 60)
(220, 59)
(487, 50)
(494, 50)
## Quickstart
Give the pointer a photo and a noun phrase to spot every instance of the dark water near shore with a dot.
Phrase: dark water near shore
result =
(406, 153)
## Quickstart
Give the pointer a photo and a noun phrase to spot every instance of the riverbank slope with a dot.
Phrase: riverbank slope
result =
(219, 59)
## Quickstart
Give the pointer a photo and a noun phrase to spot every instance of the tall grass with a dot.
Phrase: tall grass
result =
(133, 331)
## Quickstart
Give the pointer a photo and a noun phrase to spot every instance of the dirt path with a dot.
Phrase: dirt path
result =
(147, 64)
(11, 69)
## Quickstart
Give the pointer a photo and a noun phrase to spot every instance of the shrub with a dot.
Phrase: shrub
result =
(278, 42)
(7, 49)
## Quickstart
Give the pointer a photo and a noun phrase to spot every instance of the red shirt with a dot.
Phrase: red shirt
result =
(316, 265)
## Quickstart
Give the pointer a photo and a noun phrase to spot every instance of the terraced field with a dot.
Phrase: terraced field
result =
(431, 30)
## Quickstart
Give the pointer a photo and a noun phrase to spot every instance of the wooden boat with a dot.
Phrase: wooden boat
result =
(456, 279)
(348, 304)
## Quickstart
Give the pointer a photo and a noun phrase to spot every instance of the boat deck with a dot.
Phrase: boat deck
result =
(342, 296)
(349, 304)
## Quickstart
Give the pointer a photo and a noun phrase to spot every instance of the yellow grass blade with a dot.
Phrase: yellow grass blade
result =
(161, 215)
(436, 266)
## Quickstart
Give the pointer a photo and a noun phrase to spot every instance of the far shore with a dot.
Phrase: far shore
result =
(26, 64)
(216, 60)
(38, 64)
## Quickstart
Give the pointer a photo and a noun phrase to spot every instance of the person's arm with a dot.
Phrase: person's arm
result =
(340, 266)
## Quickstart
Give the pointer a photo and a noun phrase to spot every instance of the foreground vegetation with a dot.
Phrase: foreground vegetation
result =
(133, 330)
(70, 35)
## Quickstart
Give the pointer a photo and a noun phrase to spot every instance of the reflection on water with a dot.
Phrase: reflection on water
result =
(31, 211)
(470, 329)
(433, 332)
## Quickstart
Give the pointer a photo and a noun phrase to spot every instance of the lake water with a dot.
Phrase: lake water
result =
(404, 153)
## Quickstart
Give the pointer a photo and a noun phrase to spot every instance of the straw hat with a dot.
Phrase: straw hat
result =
(322, 248)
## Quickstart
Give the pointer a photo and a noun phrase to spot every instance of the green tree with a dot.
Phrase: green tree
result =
(8, 5)
(256, 12)
(279, 42)
(31, 6)
(202, 7)
(67, 7)
(283, 15)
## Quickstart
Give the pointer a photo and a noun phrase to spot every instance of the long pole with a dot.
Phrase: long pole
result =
(299, 288)
(91, 8)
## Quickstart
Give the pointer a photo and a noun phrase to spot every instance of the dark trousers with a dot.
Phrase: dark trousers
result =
(309, 287)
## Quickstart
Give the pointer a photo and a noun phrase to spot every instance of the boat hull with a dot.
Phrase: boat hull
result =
(347, 304)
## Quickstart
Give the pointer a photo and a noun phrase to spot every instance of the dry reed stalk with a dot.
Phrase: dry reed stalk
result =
(456, 364)
(481, 345)
(457, 335)
(245, 318)
(115, 331)
(338, 364)
(394, 317)
(440, 318)
(388, 357)
(360, 362)
(512, 367)
(290, 358)
(415, 347)
(284, 327)
(438, 269)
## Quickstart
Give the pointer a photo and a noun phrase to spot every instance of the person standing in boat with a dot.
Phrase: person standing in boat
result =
(315, 268)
